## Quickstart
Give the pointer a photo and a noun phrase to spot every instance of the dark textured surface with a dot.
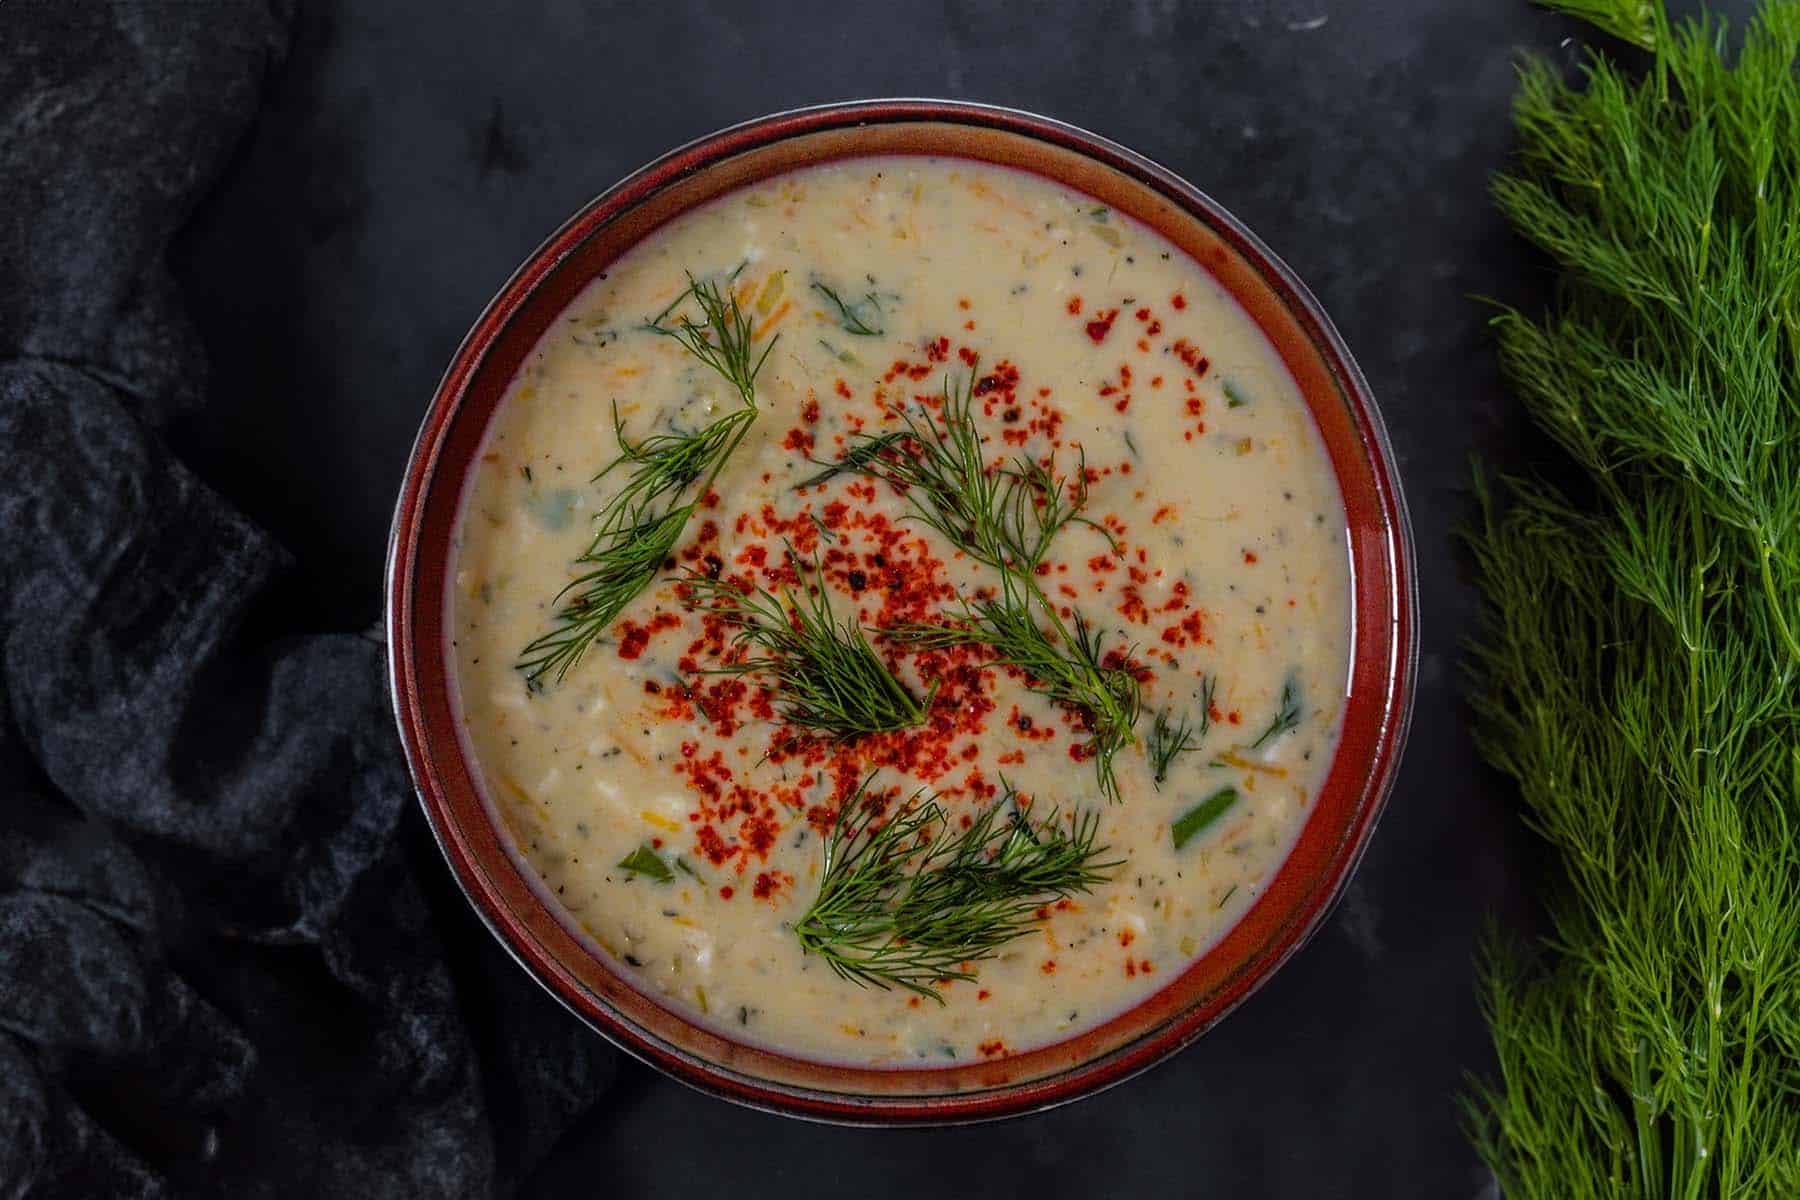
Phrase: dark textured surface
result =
(407, 156)
(219, 974)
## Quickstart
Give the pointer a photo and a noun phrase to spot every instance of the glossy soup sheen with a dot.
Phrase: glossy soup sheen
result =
(1081, 332)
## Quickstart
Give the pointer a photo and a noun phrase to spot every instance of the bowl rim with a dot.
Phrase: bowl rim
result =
(1083, 1079)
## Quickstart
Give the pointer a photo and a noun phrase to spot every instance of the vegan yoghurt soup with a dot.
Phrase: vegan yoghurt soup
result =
(1088, 757)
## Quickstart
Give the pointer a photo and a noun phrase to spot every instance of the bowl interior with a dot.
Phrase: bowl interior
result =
(1294, 900)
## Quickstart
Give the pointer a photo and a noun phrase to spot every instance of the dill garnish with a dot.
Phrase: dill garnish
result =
(1173, 735)
(857, 459)
(1286, 717)
(1168, 739)
(1006, 519)
(826, 675)
(850, 319)
(640, 524)
(1636, 666)
(913, 900)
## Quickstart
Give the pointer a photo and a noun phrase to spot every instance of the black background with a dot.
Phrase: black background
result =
(412, 153)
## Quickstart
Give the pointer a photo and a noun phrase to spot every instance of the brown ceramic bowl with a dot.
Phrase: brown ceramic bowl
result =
(1383, 593)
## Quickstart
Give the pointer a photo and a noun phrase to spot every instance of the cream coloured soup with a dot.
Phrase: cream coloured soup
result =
(676, 785)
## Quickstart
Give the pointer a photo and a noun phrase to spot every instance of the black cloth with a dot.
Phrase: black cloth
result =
(220, 971)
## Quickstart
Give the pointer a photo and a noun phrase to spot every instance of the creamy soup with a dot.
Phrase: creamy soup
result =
(681, 815)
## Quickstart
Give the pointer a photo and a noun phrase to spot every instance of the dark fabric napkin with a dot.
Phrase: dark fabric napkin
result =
(220, 972)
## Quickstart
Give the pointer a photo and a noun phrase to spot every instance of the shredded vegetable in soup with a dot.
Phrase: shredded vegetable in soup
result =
(901, 612)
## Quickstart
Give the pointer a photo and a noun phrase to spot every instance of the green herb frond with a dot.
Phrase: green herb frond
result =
(1170, 737)
(1072, 673)
(826, 675)
(640, 524)
(1287, 714)
(1637, 666)
(1006, 517)
(724, 336)
(1635, 21)
(910, 900)
(851, 317)
(857, 459)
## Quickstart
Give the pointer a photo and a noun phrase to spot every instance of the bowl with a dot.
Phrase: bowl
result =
(1297, 898)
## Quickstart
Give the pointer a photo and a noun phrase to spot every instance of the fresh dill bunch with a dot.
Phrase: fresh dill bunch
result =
(641, 523)
(1636, 669)
(850, 318)
(1287, 714)
(827, 677)
(1006, 518)
(912, 900)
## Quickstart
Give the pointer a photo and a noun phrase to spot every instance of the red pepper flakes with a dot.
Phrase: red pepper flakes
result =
(1049, 966)
(726, 892)
(1190, 354)
(993, 1049)
(1131, 605)
(983, 994)
(1126, 937)
(1235, 717)
(635, 638)
(963, 304)
(770, 882)
(710, 844)
(1190, 630)
(1074, 306)
(1178, 301)
(1004, 377)
(1130, 969)
(1249, 556)
(798, 440)
(1101, 325)
(938, 351)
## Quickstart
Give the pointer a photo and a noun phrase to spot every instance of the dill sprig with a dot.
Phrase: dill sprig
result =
(912, 900)
(1169, 738)
(724, 338)
(1172, 735)
(1636, 668)
(827, 676)
(640, 524)
(1006, 517)
(850, 320)
(857, 459)
(1287, 714)
(1071, 672)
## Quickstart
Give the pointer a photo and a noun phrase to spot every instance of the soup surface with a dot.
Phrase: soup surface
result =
(681, 816)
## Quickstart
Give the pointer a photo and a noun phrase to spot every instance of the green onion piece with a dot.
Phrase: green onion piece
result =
(1197, 818)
